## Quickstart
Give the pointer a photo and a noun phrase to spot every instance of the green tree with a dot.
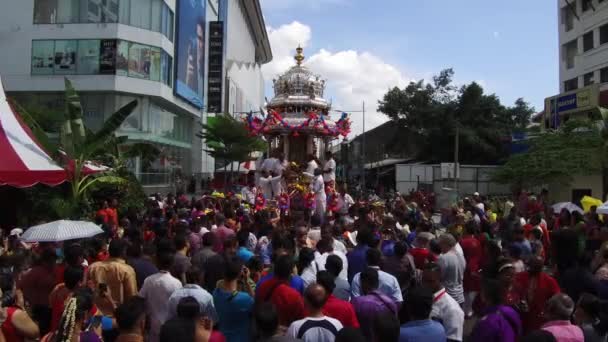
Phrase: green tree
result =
(228, 140)
(436, 110)
(78, 145)
(556, 156)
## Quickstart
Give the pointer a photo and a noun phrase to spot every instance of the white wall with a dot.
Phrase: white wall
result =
(242, 71)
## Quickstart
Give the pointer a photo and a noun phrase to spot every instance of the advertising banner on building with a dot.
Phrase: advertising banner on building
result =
(190, 51)
(580, 100)
(107, 57)
(216, 67)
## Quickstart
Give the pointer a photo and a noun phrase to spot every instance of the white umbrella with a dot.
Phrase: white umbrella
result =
(60, 231)
(571, 207)
(603, 209)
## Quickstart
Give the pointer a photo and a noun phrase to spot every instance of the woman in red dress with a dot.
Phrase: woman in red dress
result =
(472, 250)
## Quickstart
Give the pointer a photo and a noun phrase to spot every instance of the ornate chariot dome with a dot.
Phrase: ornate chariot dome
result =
(299, 89)
(298, 107)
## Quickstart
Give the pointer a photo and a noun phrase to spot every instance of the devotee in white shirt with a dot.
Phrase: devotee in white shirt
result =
(329, 171)
(325, 248)
(268, 185)
(318, 188)
(445, 309)
(249, 191)
(312, 165)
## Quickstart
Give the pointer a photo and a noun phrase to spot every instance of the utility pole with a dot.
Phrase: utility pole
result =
(363, 150)
(456, 142)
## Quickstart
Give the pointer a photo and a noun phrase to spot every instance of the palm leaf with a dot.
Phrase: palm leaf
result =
(72, 130)
(109, 127)
(36, 129)
(107, 179)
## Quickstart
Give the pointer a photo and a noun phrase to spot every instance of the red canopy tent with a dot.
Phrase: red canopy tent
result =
(23, 162)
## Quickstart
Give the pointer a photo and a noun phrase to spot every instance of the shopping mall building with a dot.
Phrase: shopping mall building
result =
(183, 60)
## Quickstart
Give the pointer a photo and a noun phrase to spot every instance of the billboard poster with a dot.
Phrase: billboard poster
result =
(190, 51)
(122, 58)
(155, 64)
(107, 57)
(139, 61)
(65, 57)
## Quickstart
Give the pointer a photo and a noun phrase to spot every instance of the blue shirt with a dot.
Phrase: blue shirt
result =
(357, 260)
(295, 282)
(244, 254)
(525, 247)
(388, 285)
(234, 312)
(425, 330)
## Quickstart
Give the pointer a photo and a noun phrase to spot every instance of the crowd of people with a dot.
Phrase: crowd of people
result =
(213, 268)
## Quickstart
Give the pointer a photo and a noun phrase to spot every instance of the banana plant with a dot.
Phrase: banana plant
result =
(79, 145)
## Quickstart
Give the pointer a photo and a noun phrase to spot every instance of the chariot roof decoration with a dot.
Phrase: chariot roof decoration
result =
(298, 106)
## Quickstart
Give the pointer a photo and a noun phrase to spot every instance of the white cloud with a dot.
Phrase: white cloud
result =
(496, 34)
(352, 76)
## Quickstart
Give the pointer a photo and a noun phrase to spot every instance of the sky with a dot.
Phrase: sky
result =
(363, 47)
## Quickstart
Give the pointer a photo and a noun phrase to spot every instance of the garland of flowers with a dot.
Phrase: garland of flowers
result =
(256, 125)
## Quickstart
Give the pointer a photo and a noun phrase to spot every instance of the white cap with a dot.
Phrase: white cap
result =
(16, 232)
(476, 193)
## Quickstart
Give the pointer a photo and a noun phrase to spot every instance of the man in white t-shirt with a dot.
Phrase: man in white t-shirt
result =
(445, 309)
(316, 327)
(312, 165)
(325, 248)
(329, 171)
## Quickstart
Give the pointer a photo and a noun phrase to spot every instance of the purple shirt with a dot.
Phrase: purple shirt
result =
(498, 323)
(369, 306)
(195, 240)
(222, 233)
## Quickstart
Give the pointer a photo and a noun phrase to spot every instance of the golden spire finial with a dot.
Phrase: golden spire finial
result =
(299, 57)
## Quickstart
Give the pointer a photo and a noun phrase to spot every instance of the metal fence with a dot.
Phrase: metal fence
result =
(472, 178)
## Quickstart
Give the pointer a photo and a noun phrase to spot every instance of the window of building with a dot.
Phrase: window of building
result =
(154, 64)
(571, 84)
(67, 11)
(124, 10)
(586, 5)
(65, 56)
(165, 66)
(45, 12)
(166, 27)
(88, 57)
(122, 58)
(569, 53)
(604, 75)
(567, 18)
(101, 57)
(604, 34)
(99, 11)
(588, 41)
(43, 57)
(152, 15)
(141, 13)
(139, 61)
(156, 17)
(588, 79)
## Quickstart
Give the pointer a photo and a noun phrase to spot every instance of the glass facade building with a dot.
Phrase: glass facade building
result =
(153, 15)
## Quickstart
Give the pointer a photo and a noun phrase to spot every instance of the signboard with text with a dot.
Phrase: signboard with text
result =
(216, 67)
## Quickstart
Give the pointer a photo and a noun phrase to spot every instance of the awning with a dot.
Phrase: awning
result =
(245, 167)
(385, 162)
(23, 162)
